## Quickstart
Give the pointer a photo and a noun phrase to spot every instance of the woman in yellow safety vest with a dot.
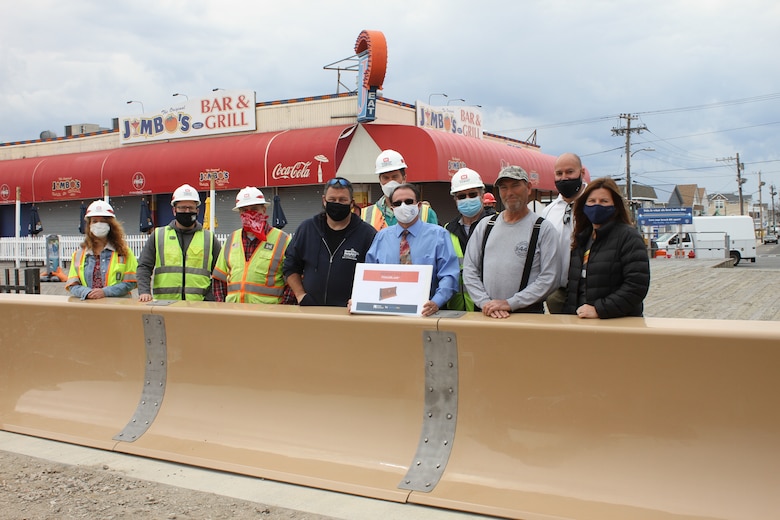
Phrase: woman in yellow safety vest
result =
(105, 266)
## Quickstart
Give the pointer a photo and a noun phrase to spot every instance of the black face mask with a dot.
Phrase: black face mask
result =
(338, 211)
(568, 187)
(186, 219)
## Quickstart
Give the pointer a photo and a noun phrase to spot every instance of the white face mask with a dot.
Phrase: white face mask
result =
(388, 188)
(406, 213)
(100, 229)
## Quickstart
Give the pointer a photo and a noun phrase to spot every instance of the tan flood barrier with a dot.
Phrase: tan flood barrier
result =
(534, 417)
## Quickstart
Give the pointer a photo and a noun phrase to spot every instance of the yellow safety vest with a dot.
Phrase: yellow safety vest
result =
(374, 216)
(259, 280)
(460, 301)
(173, 271)
(120, 269)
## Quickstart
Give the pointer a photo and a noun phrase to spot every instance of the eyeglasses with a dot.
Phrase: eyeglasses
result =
(187, 209)
(408, 202)
(567, 214)
(340, 181)
(472, 195)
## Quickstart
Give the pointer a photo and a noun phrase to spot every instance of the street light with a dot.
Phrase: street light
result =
(185, 95)
(143, 110)
(642, 150)
(629, 190)
(429, 97)
(458, 99)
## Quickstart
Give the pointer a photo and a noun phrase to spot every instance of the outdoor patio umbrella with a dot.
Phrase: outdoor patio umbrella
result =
(146, 223)
(82, 218)
(279, 220)
(35, 226)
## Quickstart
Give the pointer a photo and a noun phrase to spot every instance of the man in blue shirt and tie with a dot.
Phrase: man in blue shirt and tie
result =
(413, 241)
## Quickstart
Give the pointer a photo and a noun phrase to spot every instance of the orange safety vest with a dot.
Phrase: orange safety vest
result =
(258, 280)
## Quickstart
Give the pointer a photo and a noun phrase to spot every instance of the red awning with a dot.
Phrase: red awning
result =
(434, 156)
(287, 158)
(306, 156)
(17, 174)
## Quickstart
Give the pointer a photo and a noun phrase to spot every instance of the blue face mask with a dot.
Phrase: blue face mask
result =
(470, 207)
(598, 214)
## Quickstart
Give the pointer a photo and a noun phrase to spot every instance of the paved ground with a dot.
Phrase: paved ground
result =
(684, 288)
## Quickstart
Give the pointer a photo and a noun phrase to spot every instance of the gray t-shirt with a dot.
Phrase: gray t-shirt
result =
(506, 251)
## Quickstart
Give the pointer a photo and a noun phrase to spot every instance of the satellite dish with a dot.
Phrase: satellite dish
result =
(48, 134)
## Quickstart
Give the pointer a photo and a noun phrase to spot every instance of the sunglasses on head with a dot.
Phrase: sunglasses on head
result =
(471, 195)
(338, 181)
(408, 202)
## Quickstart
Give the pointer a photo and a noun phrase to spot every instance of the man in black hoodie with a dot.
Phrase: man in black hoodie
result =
(320, 262)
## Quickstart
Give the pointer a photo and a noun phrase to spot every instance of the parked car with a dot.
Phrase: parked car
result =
(770, 239)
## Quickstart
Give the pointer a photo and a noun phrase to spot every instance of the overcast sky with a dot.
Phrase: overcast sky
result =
(702, 75)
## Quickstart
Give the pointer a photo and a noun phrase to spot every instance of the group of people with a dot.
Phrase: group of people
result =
(581, 256)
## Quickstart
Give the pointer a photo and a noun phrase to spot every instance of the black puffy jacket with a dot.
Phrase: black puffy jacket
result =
(618, 271)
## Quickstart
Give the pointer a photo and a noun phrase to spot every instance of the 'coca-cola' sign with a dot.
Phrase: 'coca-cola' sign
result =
(299, 170)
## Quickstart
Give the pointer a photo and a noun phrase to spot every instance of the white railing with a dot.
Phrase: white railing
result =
(33, 249)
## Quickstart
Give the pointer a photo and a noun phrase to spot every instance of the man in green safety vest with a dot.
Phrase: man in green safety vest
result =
(468, 191)
(181, 255)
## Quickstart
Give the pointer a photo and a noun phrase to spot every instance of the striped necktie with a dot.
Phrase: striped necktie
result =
(405, 254)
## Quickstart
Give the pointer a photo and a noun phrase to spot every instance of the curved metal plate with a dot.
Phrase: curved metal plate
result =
(441, 412)
(154, 380)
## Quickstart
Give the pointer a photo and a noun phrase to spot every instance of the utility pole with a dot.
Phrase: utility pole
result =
(627, 132)
(740, 180)
(772, 193)
(760, 205)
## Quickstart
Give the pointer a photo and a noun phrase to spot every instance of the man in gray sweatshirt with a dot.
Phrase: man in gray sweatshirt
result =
(518, 265)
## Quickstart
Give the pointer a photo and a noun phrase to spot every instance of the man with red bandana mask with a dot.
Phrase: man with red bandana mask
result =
(249, 269)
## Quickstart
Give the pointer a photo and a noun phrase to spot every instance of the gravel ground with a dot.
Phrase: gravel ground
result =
(32, 488)
(37, 489)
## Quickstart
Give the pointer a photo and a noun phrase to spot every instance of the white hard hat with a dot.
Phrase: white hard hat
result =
(389, 161)
(185, 192)
(100, 208)
(249, 196)
(465, 179)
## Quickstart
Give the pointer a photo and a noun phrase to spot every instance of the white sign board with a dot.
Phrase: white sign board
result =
(391, 289)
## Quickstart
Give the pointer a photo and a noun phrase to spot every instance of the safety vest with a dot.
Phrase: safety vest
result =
(120, 269)
(259, 280)
(174, 270)
(374, 216)
(460, 301)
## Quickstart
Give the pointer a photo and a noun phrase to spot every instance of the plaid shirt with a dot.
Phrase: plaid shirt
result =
(220, 288)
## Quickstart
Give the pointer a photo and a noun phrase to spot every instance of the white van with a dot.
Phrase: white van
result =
(708, 236)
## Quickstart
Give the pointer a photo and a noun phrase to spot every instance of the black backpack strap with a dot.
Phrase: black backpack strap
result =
(488, 229)
(529, 259)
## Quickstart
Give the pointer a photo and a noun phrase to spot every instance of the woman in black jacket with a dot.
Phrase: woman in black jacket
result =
(609, 273)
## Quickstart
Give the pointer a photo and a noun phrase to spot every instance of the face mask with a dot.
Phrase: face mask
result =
(388, 188)
(406, 213)
(254, 222)
(337, 211)
(470, 207)
(599, 214)
(186, 219)
(100, 229)
(568, 187)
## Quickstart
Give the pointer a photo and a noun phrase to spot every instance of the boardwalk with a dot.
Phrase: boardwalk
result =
(683, 288)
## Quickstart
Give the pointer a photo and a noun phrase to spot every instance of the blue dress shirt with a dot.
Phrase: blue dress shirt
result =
(429, 244)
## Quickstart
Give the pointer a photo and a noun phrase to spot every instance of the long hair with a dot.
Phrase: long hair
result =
(581, 222)
(116, 236)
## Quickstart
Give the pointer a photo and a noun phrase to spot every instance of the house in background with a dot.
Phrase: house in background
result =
(728, 204)
(694, 197)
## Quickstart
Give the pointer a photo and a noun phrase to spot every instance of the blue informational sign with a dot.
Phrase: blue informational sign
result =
(366, 96)
(664, 216)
